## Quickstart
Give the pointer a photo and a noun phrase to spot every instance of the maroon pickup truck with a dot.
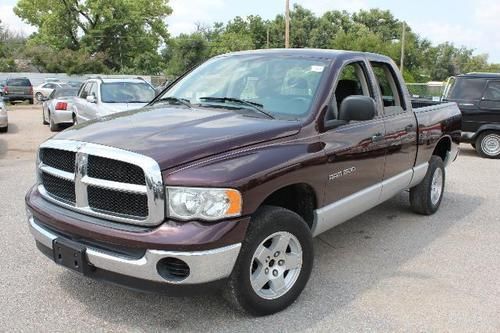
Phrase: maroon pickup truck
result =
(225, 178)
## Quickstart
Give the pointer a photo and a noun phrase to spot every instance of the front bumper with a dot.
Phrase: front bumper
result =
(117, 252)
(205, 266)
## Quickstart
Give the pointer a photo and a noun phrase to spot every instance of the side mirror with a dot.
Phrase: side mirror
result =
(91, 99)
(358, 108)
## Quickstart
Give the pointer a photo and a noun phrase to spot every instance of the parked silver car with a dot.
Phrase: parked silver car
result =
(57, 109)
(102, 97)
(4, 119)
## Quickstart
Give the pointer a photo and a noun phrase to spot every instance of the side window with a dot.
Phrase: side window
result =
(492, 92)
(389, 88)
(352, 82)
(93, 90)
(467, 89)
(84, 92)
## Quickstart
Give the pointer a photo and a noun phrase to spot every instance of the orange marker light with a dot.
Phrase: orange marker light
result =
(234, 202)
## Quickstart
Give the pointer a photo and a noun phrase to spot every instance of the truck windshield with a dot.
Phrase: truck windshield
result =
(284, 86)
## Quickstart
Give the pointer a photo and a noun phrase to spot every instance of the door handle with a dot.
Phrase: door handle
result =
(377, 137)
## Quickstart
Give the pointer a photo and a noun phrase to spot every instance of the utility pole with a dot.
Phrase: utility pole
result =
(287, 24)
(401, 66)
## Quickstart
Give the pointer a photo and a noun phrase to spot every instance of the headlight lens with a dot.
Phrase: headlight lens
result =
(186, 203)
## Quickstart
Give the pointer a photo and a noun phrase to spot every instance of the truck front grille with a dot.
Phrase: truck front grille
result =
(109, 201)
(59, 188)
(59, 159)
(102, 181)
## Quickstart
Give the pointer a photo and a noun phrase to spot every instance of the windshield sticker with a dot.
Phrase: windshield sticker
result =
(317, 69)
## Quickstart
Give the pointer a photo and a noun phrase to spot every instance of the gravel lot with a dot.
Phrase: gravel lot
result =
(386, 270)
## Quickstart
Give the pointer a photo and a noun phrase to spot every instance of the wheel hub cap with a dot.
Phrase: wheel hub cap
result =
(276, 265)
(490, 144)
(436, 186)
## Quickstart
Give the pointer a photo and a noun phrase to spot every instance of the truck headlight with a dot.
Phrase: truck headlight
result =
(186, 203)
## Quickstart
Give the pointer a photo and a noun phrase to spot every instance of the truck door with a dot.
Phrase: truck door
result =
(400, 125)
(355, 152)
(490, 105)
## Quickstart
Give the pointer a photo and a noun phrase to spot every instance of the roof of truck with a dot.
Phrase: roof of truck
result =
(480, 75)
(318, 53)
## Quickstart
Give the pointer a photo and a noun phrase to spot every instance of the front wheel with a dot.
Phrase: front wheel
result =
(426, 197)
(488, 144)
(274, 263)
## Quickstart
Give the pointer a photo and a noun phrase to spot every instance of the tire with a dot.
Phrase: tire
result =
(38, 96)
(53, 126)
(4, 129)
(488, 144)
(45, 122)
(473, 145)
(75, 120)
(426, 197)
(269, 227)
(30, 101)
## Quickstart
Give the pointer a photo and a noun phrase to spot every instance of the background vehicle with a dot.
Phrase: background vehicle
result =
(18, 89)
(74, 84)
(2, 84)
(102, 97)
(478, 97)
(45, 89)
(58, 108)
(4, 119)
(223, 180)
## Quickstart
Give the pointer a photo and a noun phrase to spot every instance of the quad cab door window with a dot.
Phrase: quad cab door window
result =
(390, 89)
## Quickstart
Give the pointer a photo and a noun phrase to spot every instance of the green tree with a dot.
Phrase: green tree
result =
(122, 30)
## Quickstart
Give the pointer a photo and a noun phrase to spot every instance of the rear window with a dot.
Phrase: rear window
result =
(65, 92)
(19, 82)
(467, 89)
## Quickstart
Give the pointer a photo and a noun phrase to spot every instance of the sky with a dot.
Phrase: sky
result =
(473, 24)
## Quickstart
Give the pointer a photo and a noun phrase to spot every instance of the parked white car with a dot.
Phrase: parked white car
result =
(57, 109)
(102, 97)
(45, 89)
(4, 119)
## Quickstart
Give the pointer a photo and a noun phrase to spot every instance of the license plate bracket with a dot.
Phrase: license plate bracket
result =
(70, 255)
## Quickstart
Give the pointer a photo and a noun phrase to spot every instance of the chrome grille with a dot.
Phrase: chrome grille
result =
(118, 171)
(102, 181)
(59, 188)
(59, 159)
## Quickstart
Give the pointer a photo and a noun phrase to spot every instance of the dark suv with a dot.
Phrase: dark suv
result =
(478, 97)
(18, 89)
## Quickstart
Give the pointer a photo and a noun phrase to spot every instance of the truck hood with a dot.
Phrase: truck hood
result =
(173, 136)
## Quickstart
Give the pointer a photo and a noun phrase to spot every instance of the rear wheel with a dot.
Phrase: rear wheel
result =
(4, 129)
(53, 126)
(426, 197)
(488, 144)
(30, 101)
(45, 122)
(274, 263)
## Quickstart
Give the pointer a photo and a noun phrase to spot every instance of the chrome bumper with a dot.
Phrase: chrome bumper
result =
(205, 266)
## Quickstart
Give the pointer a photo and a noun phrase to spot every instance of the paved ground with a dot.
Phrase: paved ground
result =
(386, 270)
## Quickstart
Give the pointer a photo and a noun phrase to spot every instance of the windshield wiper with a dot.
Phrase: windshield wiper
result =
(255, 106)
(182, 101)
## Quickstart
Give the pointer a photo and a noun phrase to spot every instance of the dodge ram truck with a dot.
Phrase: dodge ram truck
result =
(223, 180)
